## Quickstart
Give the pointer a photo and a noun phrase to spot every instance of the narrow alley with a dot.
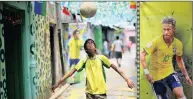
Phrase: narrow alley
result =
(40, 41)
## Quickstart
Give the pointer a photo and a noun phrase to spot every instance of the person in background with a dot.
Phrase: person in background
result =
(74, 46)
(129, 45)
(105, 48)
(118, 49)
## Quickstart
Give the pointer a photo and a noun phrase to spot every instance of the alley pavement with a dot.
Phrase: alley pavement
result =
(116, 86)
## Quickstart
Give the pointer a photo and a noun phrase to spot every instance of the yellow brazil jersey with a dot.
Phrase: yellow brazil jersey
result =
(161, 54)
(95, 73)
(74, 48)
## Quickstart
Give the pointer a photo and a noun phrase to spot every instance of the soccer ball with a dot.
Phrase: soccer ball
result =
(88, 9)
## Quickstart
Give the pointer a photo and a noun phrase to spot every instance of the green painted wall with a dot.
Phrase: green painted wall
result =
(98, 37)
(3, 93)
(35, 54)
(151, 14)
(25, 53)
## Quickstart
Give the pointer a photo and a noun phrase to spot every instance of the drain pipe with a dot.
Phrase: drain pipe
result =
(60, 39)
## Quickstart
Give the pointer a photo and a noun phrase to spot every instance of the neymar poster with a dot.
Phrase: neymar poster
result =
(165, 50)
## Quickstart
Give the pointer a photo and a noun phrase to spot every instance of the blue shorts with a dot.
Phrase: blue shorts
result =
(172, 81)
(74, 61)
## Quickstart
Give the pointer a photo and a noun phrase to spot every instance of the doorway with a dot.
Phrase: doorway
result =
(13, 51)
(52, 54)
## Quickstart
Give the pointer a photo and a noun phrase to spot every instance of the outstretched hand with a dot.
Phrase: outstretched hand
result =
(54, 87)
(149, 78)
(130, 83)
(188, 80)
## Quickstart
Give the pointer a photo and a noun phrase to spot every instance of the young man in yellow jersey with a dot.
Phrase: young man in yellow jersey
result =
(95, 75)
(74, 46)
(161, 72)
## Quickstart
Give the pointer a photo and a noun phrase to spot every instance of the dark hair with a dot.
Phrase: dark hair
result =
(117, 37)
(85, 48)
(75, 32)
(169, 20)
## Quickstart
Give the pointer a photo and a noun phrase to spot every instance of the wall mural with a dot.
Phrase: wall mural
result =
(40, 53)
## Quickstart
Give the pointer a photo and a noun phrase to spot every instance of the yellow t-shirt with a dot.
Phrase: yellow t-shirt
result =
(95, 73)
(74, 48)
(161, 57)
